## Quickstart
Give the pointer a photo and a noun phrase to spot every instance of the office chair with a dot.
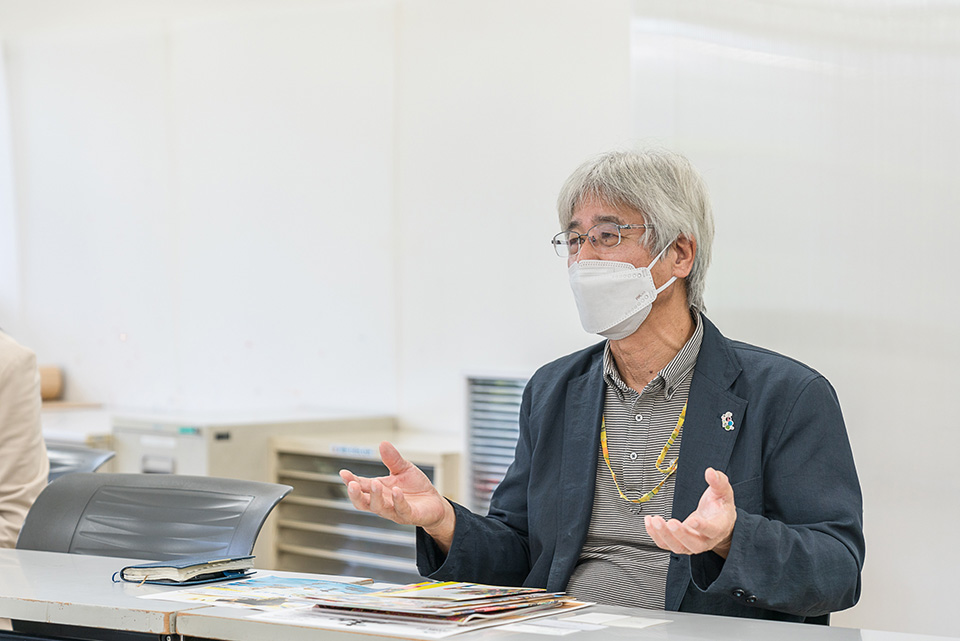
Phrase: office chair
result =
(66, 459)
(158, 517)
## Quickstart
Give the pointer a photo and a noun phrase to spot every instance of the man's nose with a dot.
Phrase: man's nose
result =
(588, 250)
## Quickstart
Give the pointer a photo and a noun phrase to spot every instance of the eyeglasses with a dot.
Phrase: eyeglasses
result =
(603, 236)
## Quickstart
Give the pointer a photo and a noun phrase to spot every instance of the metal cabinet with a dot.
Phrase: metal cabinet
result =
(319, 530)
(232, 446)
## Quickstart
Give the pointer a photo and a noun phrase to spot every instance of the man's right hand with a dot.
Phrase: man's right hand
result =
(406, 496)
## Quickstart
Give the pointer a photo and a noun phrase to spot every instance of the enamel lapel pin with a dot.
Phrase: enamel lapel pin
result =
(727, 421)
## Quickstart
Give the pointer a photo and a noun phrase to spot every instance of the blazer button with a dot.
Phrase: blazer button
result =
(738, 593)
(751, 599)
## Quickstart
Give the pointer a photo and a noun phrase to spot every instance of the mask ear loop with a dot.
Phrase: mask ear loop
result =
(654, 262)
(666, 284)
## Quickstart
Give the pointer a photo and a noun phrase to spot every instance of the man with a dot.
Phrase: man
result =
(666, 467)
(23, 455)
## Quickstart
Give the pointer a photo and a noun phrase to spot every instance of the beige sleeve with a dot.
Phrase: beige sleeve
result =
(23, 454)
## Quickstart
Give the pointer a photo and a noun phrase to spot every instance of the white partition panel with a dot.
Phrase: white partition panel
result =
(829, 137)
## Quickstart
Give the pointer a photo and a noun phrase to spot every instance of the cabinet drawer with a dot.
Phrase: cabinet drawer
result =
(329, 465)
(401, 545)
(333, 513)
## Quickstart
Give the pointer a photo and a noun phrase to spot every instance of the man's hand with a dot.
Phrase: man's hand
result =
(406, 496)
(710, 527)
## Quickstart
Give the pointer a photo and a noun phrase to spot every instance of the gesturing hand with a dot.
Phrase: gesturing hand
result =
(406, 496)
(709, 527)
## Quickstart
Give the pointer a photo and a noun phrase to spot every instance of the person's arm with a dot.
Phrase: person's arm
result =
(804, 554)
(453, 543)
(493, 549)
(708, 529)
(23, 454)
(405, 496)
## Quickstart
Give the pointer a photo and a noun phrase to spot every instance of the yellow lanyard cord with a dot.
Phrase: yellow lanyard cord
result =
(668, 472)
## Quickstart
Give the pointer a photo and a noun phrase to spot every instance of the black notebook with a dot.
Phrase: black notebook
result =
(188, 571)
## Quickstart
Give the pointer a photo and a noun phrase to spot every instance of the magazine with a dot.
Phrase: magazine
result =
(454, 591)
(410, 628)
(444, 603)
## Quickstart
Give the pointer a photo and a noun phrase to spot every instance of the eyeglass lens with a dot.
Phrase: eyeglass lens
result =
(568, 243)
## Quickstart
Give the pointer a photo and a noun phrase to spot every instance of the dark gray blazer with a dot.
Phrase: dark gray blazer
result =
(797, 547)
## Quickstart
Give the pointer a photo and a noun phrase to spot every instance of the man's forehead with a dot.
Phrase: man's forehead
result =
(590, 213)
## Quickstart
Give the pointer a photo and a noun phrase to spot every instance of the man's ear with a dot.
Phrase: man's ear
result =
(684, 251)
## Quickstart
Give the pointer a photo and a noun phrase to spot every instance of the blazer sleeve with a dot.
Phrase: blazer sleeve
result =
(23, 455)
(804, 554)
(492, 549)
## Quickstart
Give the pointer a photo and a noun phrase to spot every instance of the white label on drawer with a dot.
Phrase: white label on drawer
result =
(163, 442)
(157, 464)
(353, 450)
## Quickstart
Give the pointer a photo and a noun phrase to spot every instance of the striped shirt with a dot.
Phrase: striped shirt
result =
(619, 563)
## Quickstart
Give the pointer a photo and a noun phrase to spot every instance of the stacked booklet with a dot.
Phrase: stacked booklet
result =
(445, 603)
(430, 610)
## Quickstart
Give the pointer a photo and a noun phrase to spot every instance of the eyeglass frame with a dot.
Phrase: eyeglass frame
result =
(557, 242)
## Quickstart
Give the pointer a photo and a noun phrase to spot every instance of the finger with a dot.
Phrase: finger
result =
(392, 459)
(704, 528)
(347, 476)
(719, 482)
(678, 537)
(360, 500)
(691, 540)
(660, 532)
(656, 528)
(652, 530)
(402, 509)
(381, 502)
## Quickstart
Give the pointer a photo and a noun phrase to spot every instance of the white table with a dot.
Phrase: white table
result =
(230, 624)
(77, 590)
(73, 589)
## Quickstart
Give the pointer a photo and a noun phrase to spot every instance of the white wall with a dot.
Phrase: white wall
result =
(9, 250)
(298, 203)
(492, 115)
(830, 147)
(205, 204)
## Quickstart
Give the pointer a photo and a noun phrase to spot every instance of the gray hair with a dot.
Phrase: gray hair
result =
(662, 186)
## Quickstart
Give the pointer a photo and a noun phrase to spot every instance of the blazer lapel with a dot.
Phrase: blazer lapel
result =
(578, 467)
(706, 442)
(707, 438)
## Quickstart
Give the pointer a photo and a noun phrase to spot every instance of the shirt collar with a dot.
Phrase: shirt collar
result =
(670, 377)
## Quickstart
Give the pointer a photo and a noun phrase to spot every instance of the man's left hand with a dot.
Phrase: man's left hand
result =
(710, 527)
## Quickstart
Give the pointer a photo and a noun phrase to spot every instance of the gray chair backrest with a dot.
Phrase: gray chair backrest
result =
(66, 459)
(149, 516)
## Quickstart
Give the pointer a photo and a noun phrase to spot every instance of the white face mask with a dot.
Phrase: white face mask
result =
(614, 298)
